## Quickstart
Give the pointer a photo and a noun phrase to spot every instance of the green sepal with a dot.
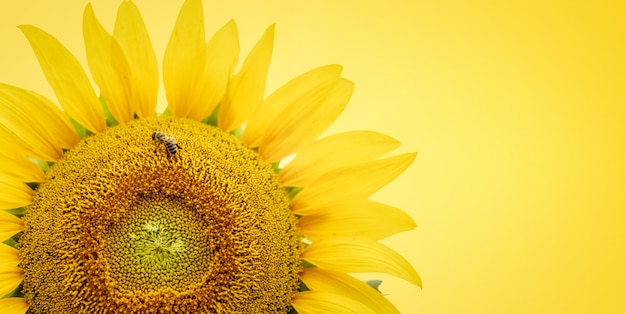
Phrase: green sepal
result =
(19, 212)
(306, 264)
(12, 241)
(212, 119)
(276, 167)
(17, 293)
(42, 164)
(107, 113)
(80, 129)
(167, 112)
(238, 132)
(33, 185)
(306, 242)
(303, 287)
(293, 191)
(374, 283)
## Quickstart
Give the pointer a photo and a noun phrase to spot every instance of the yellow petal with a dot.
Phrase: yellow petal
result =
(9, 257)
(247, 88)
(351, 183)
(109, 68)
(367, 219)
(184, 60)
(334, 152)
(14, 193)
(286, 95)
(57, 125)
(20, 167)
(10, 274)
(305, 119)
(67, 79)
(320, 302)
(9, 280)
(36, 122)
(318, 279)
(131, 34)
(13, 159)
(222, 53)
(13, 305)
(9, 226)
(353, 255)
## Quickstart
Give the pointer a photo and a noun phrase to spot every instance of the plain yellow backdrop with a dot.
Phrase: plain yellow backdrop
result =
(517, 110)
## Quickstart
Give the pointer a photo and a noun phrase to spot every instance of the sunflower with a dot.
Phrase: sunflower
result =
(109, 206)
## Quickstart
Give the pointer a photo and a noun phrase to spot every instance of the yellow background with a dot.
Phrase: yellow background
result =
(517, 110)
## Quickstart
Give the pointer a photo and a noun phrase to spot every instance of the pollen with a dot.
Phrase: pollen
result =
(122, 226)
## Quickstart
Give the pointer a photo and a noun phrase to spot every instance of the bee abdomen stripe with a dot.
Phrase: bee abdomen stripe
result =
(171, 147)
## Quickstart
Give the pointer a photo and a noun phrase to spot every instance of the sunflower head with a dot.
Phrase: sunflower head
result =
(140, 229)
(112, 207)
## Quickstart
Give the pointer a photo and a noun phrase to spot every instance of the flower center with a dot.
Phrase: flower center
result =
(124, 223)
(164, 240)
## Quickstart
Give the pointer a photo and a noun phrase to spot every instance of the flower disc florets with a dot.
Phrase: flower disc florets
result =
(122, 226)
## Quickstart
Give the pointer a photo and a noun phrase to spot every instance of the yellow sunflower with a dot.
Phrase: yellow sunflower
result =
(111, 207)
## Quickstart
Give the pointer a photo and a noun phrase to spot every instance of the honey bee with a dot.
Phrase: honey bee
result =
(170, 144)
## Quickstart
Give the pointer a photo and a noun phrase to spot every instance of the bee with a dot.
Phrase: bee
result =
(170, 144)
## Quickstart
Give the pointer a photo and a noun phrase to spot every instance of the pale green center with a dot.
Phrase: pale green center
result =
(158, 242)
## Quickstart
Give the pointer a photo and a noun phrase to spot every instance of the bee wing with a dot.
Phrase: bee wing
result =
(173, 138)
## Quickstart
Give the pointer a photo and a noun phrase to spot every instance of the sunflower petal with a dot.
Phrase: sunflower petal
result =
(41, 127)
(9, 257)
(247, 88)
(20, 167)
(13, 159)
(320, 302)
(351, 183)
(131, 34)
(9, 226)
(334, 152)
(14, 193)
(184, 60)
(10, 279)
(289, 93)
(109, 68)
(13, 305)
(67, 79)
(367, 219)
(318, 279)
(305, 119)
(57, 123)
(353, 255)
(222, 53)
(10, 274)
